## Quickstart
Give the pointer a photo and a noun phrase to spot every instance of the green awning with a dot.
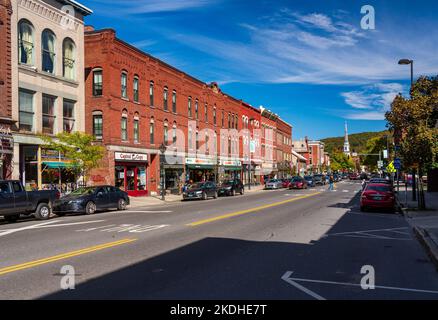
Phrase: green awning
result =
(58, 165)
(233, 168)
(200, 166)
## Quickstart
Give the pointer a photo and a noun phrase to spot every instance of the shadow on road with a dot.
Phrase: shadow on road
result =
(218, 268)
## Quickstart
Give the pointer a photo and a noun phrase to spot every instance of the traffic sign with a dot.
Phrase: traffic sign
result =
(380, 164)
(391, 168)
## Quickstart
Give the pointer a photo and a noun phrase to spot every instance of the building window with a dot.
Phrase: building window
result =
(174, 101)
(25, 43)
(151, 93)
(152, 132)
(98, 126)
(48, 51)
(214, 116)
(26, 110)
(229, 120)
(197, 109)
(124, 127)
(69, 115)
(190, 138)
(236, 122)
(174, 133)
(190, 107)
(48, 114)
(136, 84)
(124, 85)
(136, 130)
(69, 60)
(206, 113)
(97, 83)
(165, 98)
(166, 133)
(197, 141)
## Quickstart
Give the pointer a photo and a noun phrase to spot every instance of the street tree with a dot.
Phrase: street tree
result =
(79, 147)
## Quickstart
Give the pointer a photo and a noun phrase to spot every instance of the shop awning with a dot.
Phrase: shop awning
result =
(58, 165)
(233, 168)
(200, 166)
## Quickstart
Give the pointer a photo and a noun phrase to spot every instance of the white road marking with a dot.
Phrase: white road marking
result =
(357, 285)
(131, 228)
(346, 191)
(370, 234)
(50, 224)
(287, 278)
(147, 211)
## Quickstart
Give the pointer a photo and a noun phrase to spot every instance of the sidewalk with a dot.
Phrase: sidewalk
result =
(156, 200)
(424, 223)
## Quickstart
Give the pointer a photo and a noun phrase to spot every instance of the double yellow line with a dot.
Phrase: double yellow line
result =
(252, 210)
(63, 256)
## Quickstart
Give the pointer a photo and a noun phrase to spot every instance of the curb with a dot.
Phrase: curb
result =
(430, 246)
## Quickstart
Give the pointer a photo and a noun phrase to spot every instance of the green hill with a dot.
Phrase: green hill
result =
(358, 141)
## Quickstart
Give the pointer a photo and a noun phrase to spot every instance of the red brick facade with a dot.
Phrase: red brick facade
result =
(109, 56)
(5, 90)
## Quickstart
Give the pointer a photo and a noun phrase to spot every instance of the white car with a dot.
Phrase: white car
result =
(274, 184)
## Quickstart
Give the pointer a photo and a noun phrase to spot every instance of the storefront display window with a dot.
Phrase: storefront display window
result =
(131, 173)
(30, 166)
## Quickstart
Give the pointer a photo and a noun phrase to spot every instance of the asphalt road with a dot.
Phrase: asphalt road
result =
(283, 244)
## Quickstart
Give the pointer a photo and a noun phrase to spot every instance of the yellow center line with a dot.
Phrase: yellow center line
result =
(63, 256)
(252, 210)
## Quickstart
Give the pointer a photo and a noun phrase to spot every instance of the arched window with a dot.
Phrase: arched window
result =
(189, 107)
(174, 101)
(48, 51)
(190, 138)
(174, 133)
(98, 125)
(124, 125)
(214, 116)
(97, 82)
(152, 131)
(197, 109)
(165, 98)
(166, 132)
(25, 43)
(69, 59)
(136, 85)
(151, 93)
(136, 127)
(124, 84)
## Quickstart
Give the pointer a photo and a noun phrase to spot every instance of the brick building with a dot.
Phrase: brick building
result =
(284, 148)
(6, 139)
(162, 127)
(317, 156)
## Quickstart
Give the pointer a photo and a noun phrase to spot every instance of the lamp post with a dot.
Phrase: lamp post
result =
(163, 149)
(411, 63)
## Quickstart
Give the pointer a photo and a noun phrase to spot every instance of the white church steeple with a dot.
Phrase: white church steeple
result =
(347, 149)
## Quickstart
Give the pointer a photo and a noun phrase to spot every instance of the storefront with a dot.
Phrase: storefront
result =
(199, 170)
(57, 170)
(6, 152)
(131, 173)
(232, 169)
(254, 176)
(173, 167)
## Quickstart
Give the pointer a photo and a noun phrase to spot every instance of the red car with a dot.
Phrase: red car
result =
(378, 196)
(286, 183)
(298, 183)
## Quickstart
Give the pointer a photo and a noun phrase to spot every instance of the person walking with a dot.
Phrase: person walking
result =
(332, 183)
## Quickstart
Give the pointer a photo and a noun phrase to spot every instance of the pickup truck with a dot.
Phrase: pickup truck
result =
(15, 200)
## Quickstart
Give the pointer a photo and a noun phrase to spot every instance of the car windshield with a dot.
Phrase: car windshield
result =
(318, 177)
(273, 181)
(228, 183)
(308, 178)
(378, 188)
(296, 179)
(199, 185)
(83, 191)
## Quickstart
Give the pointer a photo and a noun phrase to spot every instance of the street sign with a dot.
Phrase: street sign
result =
(391, 168)
(380, 164)
(385, 154)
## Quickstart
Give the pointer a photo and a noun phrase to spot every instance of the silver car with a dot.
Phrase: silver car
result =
(274, 184)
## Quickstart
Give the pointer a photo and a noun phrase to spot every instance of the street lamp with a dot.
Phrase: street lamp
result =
(411, 63)
(163, 149)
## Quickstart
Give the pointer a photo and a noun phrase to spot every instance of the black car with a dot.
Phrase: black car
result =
(91, 199)
(319, 180)
(201, 190)
(231, 188)
(310, 181)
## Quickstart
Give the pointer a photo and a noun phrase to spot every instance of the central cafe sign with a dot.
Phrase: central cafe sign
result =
(139, 157)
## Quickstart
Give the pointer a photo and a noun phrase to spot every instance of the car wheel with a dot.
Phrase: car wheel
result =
(204, 196)
(215, 196)
(233, 193)
(121, 205)
(242, 191)
(90, 208)
(42, 212)
(13, 218)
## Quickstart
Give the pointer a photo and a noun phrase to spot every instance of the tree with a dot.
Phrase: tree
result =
(340, 161)
(79, 147)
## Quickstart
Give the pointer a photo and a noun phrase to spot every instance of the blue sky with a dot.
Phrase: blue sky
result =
(308, 61)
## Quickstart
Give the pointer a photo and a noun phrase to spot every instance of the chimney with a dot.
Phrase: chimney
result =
(89, 29)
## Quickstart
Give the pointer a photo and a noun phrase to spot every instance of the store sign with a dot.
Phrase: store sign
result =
(231, 163)
(139, 157)
(196, 161)
(6, 140)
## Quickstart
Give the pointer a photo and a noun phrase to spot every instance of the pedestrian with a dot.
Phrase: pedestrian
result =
(332, 183)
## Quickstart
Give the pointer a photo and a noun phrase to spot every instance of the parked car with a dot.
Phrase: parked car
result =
(320, 180)
(201, 190)
(337, 177)
(344, 176)
(274, 184)
(354, 176)
(286, 183)
(231, 188)
(89, 200)
(298, 183)
(380, 180)
(310, 181)
(378, 196)
(15, 200)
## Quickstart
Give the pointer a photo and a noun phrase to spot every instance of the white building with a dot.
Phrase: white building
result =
(48, 94)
